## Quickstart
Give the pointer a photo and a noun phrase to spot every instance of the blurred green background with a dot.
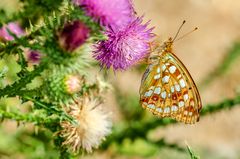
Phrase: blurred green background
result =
(211, 54)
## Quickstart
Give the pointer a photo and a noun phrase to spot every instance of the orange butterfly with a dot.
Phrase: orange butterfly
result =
(167, 88)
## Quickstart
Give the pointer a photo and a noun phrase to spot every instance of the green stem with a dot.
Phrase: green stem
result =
(26, 118)
(164, 144)
(225, 65)
(50, 108)
(225, 104)
(192, 154)
(136, 129)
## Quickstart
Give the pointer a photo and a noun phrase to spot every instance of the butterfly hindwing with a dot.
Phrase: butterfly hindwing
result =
(167, 90)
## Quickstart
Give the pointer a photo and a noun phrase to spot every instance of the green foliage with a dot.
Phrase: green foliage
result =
(3, 72)
(44, 19)
(134, 129)
(15, 88)
(129, 106)
(138, 125)
(192, 154)
(225, 65)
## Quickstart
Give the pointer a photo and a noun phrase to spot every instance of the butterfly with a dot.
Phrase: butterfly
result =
(167, 88)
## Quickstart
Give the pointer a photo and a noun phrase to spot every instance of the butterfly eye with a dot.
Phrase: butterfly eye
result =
(154, 59)
(153, 62)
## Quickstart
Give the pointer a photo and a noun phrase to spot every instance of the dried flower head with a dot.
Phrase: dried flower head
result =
(73, 35)
(14, 28)
(124, 47)
(73, 83)
(91, 127)
(113, 13)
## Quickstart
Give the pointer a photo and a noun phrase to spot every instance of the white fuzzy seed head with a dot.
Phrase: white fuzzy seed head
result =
(92, 125)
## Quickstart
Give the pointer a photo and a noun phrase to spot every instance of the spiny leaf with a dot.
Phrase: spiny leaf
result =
(13, 89)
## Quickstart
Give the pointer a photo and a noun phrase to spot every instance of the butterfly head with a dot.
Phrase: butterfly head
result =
(157, 49)
(167, 45)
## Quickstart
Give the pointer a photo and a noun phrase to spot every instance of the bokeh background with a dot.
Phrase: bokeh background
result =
(211, 56)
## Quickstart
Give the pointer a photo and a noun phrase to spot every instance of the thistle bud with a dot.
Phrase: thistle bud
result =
(61, 86)
(73, 84)
(73, 35)
(33, 56)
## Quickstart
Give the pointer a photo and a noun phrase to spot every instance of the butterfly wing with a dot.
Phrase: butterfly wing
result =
(168, 90)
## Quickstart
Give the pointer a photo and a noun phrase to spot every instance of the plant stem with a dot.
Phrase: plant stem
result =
(136, 129)
(26, 117)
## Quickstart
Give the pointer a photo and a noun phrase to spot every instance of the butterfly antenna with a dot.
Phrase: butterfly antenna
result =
(187, 34)
(179, 29)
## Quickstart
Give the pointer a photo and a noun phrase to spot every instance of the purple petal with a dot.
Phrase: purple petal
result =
(124, 47)
(110, 13)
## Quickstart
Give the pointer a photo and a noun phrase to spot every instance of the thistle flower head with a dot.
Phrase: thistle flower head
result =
(113, 13)
(73, 35)
(91, 127)
(14, 28)
(124, 47)
(73, 83)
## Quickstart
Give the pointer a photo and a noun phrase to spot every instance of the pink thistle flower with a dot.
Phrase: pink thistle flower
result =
(110, 13)
(124, 47)
(14, 28)
(73, 35)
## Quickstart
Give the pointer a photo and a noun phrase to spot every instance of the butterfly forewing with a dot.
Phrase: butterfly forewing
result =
(167, 90)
